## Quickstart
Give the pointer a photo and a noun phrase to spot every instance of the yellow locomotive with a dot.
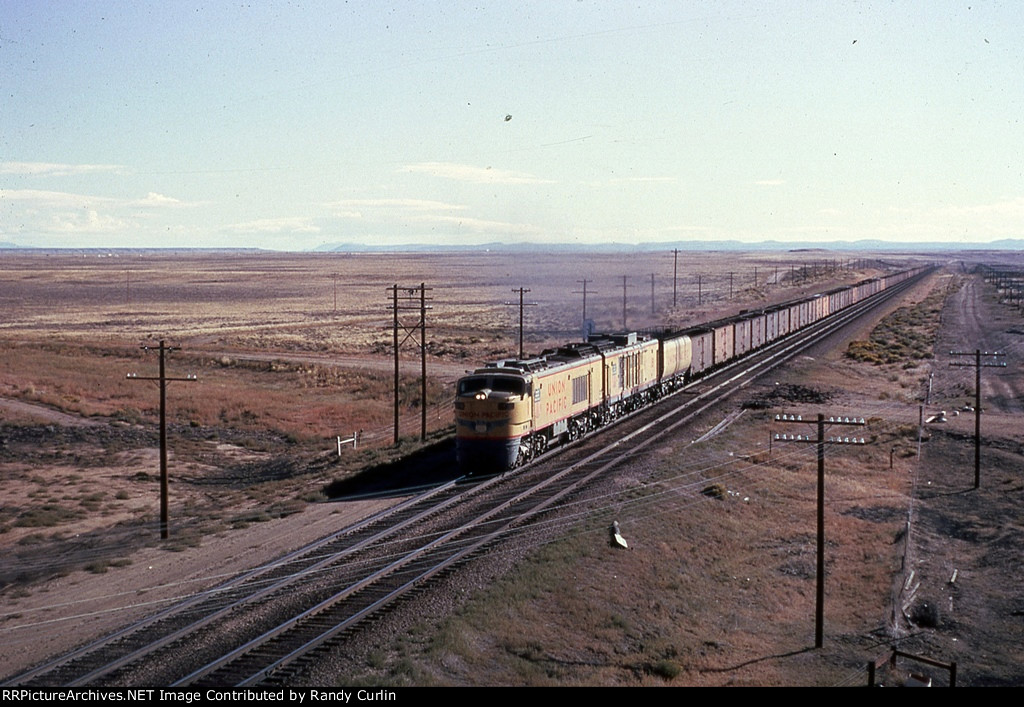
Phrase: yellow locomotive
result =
(511, 410)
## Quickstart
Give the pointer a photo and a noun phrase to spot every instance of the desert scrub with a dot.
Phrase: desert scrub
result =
(47, 516)
(906, 335)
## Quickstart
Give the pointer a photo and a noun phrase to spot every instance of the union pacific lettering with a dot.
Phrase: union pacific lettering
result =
(557, 394)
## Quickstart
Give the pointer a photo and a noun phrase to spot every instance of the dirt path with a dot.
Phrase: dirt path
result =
(446, 371)
(963, 569)
(45, 414)
(977, 323)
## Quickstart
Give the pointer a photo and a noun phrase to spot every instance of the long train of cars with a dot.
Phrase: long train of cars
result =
(511, 410)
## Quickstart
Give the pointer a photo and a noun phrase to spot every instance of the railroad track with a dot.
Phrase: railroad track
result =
(109, 654)
(270, 624)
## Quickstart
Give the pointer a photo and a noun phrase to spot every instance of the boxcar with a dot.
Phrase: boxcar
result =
(758, 327)
(702, 349)
(724, 341)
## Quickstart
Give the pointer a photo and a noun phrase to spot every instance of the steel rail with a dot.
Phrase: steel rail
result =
(249, 576)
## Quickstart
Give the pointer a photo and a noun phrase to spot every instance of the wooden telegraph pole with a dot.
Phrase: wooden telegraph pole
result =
(522, 305)
(819, 602)
(584, 291)
(675, 274)
(978, 365)
(625, 279)
(162, 380)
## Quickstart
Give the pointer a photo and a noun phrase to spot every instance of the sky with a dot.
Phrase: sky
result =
(289, 125)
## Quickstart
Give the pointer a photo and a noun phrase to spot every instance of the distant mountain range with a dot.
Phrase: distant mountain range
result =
(731, 246)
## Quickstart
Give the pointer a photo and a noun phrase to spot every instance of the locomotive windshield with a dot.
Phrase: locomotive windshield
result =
(499, 384)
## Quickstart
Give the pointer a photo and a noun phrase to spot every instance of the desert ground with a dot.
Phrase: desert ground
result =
(291, 352)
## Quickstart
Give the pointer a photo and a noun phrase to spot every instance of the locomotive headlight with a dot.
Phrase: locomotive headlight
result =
(482, 394)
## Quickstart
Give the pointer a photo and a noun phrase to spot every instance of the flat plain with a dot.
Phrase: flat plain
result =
(293, 351)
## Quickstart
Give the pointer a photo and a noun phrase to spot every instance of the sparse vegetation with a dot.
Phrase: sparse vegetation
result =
(905, 336)
(47, 516)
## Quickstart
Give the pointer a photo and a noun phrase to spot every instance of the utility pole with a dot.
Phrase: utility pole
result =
(334, 276)
(423, 362)
(394, 308)
(675, 274)
(584, 282)
(700, 299)
(819, 602)
(978, 365)
(652, 293)
(522, 291)
(407, 302)
(730, 285)
(162, 380)
(625, 278)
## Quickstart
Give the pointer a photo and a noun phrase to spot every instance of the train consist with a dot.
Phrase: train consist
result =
(509, 411)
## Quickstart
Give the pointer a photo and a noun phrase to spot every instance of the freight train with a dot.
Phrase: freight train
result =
(509, 411)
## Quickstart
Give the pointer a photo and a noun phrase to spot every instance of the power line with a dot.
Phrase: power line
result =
(406, 302)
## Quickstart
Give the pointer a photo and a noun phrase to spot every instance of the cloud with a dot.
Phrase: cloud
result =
(63, 199)
(43, 211)
(154, 199)
(381, 209)
(348, 214)
(288, 224)
(1009, 208)
(41, 199)
(970, 222)
(424, 211)
(644, 180)
(770, 182)
(482, 225)
(53, 169)
(404, 204)
(88, 221)
(471, 173)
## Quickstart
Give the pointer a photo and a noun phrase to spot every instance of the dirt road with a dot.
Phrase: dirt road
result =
(45, 414)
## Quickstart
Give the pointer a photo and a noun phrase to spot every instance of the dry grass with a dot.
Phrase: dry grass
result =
(264, 331)
(906, 336)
